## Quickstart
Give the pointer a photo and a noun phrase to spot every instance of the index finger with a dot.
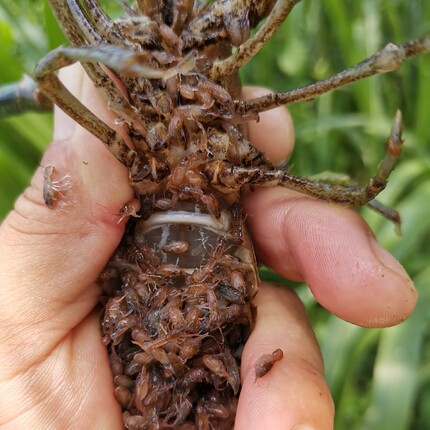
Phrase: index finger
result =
(274, 132)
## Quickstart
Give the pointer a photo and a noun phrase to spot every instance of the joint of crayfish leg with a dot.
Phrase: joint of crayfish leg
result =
(388, 59)
(369, 192)
(222, 174)
(236, 177)
(137, 169)
(126, 156)
(393, 150)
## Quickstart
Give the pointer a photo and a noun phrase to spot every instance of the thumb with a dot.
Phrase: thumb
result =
(51, 258)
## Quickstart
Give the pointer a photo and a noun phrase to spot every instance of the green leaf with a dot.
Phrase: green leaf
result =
(395, 379)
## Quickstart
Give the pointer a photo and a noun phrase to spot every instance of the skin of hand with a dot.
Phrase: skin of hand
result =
(54, 370)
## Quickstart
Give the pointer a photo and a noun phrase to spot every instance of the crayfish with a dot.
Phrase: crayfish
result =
(179, 288)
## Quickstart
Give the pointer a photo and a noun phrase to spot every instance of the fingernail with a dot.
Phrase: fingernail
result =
(387, 260)
(303, 427)
(64, 126)
(72, 77)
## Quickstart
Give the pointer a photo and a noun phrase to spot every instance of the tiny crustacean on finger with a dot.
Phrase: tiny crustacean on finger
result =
(266, 362)
(131, 208)
(54, 188)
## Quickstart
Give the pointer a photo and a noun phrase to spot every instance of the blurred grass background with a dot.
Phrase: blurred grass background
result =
(380, 379)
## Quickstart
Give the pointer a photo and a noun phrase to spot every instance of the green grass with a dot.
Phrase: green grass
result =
(380, 379)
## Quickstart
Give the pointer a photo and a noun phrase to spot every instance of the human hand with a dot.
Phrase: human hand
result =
(54, 371)
(333, 250)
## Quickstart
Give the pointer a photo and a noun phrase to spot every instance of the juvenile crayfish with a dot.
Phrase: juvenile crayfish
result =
(180, 284)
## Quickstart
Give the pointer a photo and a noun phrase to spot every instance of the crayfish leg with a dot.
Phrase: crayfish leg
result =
(102, 23)
(386, 60)
(21, 97)
(52, 87)
(387, 212)
(249, 48)
(234, 177)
